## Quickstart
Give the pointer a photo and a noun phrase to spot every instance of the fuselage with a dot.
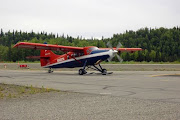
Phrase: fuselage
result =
(91, 56)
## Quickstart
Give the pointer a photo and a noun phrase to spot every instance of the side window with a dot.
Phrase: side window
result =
(76, 55)
(81, 54)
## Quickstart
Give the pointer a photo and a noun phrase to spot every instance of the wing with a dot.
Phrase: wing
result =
(128, 49)
(40, 46)
(124, 49)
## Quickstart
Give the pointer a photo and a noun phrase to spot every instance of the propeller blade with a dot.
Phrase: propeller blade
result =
(109, 45)
(109, 59)
(118, 46)
(119, 58)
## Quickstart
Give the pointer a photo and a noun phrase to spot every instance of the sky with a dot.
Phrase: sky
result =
(88, 18)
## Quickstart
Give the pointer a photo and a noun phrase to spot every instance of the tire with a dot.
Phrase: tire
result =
(50, 71)
(104, 71)
(82, 71)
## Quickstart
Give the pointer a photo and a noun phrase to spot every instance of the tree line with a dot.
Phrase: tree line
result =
(158, 44)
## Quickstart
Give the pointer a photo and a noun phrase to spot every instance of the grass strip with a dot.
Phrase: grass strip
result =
(16, 91)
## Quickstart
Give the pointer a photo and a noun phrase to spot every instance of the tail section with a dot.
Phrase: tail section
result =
(47, 57)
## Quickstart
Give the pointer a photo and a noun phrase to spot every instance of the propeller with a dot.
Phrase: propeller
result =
(118, 46)
(114, 52)
(109, 45)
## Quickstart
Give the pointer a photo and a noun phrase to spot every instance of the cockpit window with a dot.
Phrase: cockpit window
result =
(91, 49)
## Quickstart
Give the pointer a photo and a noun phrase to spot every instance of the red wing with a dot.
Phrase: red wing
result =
(40, 46)
(129, 49)
(124, 49)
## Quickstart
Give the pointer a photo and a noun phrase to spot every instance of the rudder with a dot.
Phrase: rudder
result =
(46, 56)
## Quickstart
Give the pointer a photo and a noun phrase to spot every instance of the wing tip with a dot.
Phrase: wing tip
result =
(20, 43)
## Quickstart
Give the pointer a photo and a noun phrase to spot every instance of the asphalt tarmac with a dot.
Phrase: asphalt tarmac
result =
(121, 95)
(156, 85)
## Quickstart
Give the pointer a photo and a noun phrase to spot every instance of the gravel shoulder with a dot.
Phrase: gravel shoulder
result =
(78, 106)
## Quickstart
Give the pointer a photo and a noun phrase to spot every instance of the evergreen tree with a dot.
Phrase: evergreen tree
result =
(160, 44)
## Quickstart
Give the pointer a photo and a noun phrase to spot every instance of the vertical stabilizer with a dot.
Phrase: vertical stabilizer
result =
(46, 56)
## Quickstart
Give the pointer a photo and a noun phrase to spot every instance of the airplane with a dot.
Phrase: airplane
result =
(85, 57)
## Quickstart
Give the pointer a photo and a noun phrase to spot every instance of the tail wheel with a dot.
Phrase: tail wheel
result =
(82, 72)
(50, 71)
(104, 71)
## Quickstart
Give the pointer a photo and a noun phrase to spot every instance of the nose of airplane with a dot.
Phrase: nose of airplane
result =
(112, 53)
(115, 51)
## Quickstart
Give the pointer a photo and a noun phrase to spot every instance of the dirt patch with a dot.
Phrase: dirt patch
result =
(15, 91)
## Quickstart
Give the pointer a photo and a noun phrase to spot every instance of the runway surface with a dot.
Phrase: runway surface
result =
(151, 85)
(126, 95)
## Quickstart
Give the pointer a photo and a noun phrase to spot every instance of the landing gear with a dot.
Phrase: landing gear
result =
(50, 70)
(100, 69)
(104, 71)
(82, 71)
(94, 67)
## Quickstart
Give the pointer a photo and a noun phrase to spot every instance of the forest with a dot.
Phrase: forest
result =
(158, 44)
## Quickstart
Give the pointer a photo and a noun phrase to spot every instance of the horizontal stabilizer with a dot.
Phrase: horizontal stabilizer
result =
(37, 57)
(33, 57)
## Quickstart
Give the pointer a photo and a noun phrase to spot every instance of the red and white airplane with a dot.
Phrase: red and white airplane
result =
(85, 57)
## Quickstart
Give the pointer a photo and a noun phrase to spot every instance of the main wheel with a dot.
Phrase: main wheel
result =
(82, 72)
(104, 71)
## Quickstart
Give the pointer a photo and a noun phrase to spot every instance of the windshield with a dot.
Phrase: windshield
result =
(93, 48)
